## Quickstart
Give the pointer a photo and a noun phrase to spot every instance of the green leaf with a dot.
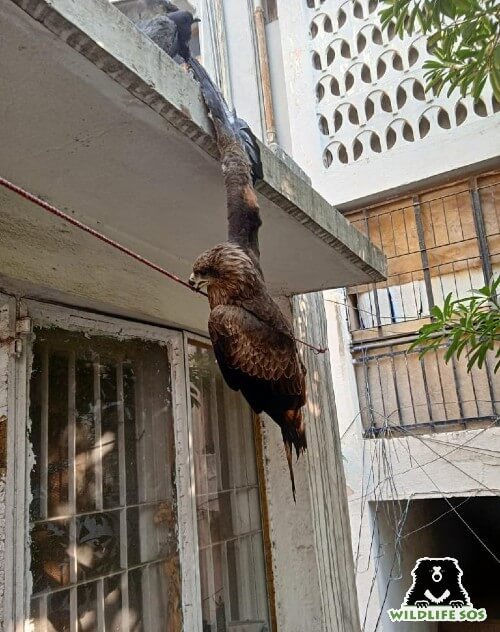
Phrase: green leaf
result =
(494, 76)
(436, 312)
(448, 8)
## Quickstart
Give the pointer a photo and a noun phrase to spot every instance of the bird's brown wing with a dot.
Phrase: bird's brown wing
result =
(244, 342)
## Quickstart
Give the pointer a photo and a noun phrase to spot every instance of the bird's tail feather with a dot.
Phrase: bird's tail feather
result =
(212, 95)
(288, 452)
(294, 434)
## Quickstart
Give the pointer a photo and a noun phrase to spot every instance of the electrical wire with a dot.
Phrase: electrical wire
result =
(384, 496)
(115, 244)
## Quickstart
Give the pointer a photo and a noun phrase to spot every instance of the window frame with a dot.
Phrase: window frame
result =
(17, 550)
(190, 338)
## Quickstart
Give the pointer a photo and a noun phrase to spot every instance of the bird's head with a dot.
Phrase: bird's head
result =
(183, 19)
(226, 268)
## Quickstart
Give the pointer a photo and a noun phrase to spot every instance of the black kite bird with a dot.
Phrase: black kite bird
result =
(171, 32)
(252, 339)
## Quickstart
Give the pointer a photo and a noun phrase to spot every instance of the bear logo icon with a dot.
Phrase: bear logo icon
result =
(437, 581)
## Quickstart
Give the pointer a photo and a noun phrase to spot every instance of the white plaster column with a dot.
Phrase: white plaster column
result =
(330, 517)
(291, 531)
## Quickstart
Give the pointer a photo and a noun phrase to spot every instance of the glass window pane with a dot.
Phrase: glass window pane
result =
(109, 429)
(50, 562)
(232, 569)
(103, 533)
(58, 436)
(97, 544)
(58, 611)
(87, 607)
(36, 435)
(151, 533)
(85, 436)
(112, 590)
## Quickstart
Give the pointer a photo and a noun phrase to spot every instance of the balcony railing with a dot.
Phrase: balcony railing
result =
(442, 242)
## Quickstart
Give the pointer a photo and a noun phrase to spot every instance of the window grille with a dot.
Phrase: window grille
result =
(103, 549)
(433, 248)
(233, 581)
(440, 242)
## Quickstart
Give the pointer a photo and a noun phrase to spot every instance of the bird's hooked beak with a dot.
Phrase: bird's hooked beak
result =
(196, 20)
(196, 282)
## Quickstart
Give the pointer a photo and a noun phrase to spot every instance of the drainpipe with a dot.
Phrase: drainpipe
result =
(265, 74)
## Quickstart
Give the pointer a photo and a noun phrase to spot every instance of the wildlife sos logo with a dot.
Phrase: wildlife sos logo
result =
(437, 594)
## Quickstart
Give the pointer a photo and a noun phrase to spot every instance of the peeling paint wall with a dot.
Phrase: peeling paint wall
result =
(297, 590)
(5, 345)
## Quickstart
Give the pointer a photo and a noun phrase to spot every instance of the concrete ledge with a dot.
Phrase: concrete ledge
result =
(101, 33)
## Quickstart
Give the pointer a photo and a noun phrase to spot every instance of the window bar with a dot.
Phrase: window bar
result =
(423, 250)
(443, 399)
(410, 390)
(73, 604)
(426, 389)
(471, 282)
(414, 285)
(228, 609)
(125, 619)
(394, 243)
(443, 211)
(368, 389)
(375, 292)
(403, 211)
(155, 453)
(457, 388)
(125, 611)
(395, 383)
(431, 222)
(209, 552)
(248, 449)
(384, 411)
(454, 275)
(100, 605)
(211, 593)
(487, 361)
(98, 435)
(141, 435)
(490, 383)
(73, 569)
(214, 416)
(473, 384)
(481, 237)
(148, 617)
(121, 435)
(44, 443)
(43, 620)
(462, 233)
(228, 606)
(440, 277)
(214, 419)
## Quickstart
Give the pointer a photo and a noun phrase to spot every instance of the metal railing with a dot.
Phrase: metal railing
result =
(436, 245)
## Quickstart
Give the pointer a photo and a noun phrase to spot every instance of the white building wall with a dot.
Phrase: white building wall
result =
(379, 129)
(363, 128)
(452, 464)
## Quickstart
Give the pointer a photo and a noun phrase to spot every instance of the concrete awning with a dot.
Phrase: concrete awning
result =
(100, 122)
